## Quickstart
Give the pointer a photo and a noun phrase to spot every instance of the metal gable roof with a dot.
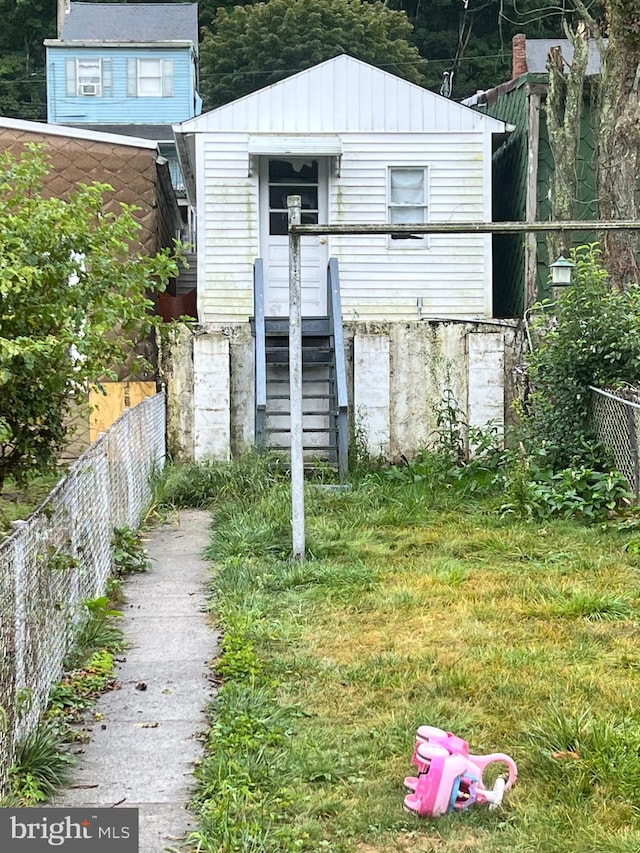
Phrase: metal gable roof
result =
(139, 22)
(342, 95)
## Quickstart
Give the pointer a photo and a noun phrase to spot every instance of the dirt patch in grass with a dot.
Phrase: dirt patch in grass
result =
(419, 841)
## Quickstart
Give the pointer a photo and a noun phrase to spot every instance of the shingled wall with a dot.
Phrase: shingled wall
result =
(131, 171)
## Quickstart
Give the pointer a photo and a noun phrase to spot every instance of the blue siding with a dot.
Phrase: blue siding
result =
(112, 105)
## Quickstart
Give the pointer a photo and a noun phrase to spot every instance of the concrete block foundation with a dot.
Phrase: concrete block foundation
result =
(399, 374)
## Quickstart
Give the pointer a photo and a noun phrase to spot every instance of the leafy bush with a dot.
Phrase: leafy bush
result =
(535, 490)
(129, 554)
(464, 456)
(77, 689)
(591, 336)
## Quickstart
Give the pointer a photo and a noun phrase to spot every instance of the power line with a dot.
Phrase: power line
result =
(240, 73)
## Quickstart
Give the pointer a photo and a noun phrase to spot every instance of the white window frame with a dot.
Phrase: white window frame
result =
(86, 83)
(138, 70)
(422, 208)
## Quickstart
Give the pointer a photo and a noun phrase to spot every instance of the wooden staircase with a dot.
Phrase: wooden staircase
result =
(324, 395)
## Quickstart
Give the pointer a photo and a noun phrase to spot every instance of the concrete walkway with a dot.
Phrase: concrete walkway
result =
(143, 750)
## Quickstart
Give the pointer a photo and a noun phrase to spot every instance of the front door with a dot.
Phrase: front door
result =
(279, 178)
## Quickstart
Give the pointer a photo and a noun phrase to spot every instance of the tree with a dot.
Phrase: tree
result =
(472, 38)
(25, 24)
(619, 133)
(73, 298)
(565, 101)
(249, 47)
(617, 120)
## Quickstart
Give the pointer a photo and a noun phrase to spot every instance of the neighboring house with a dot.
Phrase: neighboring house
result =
(524, 166)
(126, 68)
(360, 146)
(131, 166)
(138, 176)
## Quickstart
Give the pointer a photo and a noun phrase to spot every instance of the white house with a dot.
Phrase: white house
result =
(360, 146)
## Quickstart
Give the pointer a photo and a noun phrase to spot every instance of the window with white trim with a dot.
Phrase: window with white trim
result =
(89, 77)
(150, 78)
(408, 196)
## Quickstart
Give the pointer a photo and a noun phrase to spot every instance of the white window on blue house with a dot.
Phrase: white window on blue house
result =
(89, 77)
(408, 202)
(150, 78)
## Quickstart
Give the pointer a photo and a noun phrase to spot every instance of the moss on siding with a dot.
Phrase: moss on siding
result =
(510, 189)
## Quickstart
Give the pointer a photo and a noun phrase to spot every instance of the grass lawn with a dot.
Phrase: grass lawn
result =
(420, 603)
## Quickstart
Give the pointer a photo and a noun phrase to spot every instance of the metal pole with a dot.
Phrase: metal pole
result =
(294, 204)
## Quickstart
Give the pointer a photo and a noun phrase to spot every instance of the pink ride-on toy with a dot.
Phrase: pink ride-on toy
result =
(449, 778)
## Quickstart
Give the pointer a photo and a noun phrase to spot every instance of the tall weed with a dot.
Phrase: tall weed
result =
(209, 484)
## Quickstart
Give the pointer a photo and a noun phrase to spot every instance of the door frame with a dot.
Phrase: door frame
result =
(320, 242)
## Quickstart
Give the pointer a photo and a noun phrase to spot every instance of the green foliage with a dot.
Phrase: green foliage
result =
(19, 501)
(41, 765)
(97, 631)
(73, 296)
(60, 561)
(535, 490)
(24, 701)
(597, 750)
(243, 537)
(249, 47)
(215, 483)
(591, 336)
(593, 606)
(129, 555)
(474, 40)
(81, 686)
(463, 456)
(238, 660)
(42, 762)
(411, 610)
(25, 24)
(243, 791)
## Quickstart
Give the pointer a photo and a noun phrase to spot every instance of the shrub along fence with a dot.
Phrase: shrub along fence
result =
(61, 556)
(617, 420)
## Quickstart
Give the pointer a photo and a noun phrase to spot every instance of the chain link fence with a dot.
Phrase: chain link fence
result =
(60, 557)
(617, 421)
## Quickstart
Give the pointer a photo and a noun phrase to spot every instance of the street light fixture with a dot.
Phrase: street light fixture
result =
(561, 271)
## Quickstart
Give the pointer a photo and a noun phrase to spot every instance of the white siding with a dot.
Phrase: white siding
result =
(379, 121)
(449, 276)
(227, 228)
